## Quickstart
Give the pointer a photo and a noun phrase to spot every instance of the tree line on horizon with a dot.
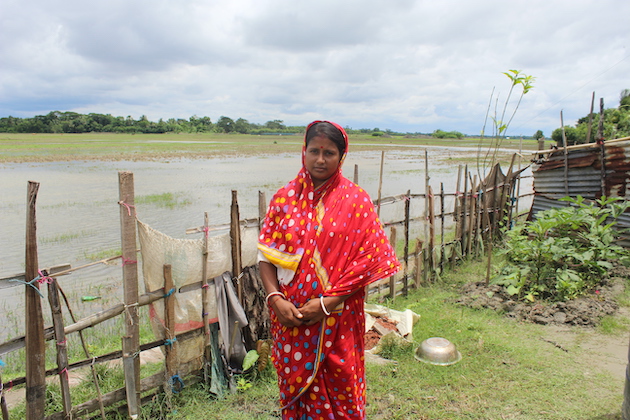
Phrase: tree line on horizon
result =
(73, 122)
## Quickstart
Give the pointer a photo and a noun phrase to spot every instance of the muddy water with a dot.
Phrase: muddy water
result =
(78, 214)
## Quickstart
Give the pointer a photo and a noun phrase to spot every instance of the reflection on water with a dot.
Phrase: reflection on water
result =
(78, 214)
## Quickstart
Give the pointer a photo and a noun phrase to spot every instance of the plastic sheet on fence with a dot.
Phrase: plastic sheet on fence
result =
(186, 259)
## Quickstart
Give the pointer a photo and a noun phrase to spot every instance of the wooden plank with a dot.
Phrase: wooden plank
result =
(131, 340)
(62, 346)
(35, 343)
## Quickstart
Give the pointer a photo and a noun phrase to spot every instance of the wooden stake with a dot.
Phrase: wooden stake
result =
(465, 212)
(62, 348)
(392, 279)
(235, 237)
(419, 262)
(566, 157)
(35, 344)
(262, 207)
(204, 300)
(429, 254)
(406, 251)
(441, 227)
(355, 178)
(380, 185)
(169, 323)
(131, 340)
(3, 403)
(590, 119)
(456, 217)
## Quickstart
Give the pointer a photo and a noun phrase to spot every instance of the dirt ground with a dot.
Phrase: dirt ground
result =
(567, 324)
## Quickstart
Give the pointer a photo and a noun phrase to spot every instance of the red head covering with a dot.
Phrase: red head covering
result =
(336, 217)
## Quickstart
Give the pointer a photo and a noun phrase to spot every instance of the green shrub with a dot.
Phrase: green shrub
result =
(565, 252)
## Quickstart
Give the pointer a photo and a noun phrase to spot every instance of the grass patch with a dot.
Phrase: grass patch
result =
(165, 200)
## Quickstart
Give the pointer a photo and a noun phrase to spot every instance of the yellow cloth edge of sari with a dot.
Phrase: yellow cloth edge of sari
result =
(279, 258)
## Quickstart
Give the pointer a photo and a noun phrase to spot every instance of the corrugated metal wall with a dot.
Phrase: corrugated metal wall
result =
(584, 170)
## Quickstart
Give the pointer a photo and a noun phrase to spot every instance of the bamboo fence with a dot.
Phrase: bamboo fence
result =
(449, 235)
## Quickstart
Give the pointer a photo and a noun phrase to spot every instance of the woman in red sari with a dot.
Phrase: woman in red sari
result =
(321, 243)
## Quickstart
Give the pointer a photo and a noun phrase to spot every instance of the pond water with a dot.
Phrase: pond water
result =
(78, 212)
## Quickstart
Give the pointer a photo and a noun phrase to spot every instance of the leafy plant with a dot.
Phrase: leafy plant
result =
(564, 252)
(498, 117)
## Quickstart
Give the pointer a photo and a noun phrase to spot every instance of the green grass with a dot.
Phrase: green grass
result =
(507, 371)
(19, 147)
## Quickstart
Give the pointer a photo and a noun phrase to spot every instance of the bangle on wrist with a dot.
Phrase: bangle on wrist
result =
(321, 301)
(270, 295)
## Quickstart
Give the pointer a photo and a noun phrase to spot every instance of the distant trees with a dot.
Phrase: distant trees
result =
(616, 124)
(439, 134)
(538, 135)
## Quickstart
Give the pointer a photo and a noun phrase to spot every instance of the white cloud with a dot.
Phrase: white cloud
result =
(406, 65)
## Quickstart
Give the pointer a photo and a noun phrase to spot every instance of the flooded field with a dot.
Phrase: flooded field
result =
(78, 215)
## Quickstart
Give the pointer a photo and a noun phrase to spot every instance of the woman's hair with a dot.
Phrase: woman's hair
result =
(328, 130)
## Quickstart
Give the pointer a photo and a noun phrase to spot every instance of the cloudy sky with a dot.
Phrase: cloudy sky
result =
(405, 65)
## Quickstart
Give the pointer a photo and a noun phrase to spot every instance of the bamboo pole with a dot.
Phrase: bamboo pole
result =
(380, 184)
(35, 344)
(132, 386)
(235, 237)
(478, 216)
(3, 402)
(600, 140)
(426, 200)
(87, 322)
(441, 227)
(262, 208)
(131, 340)
(87, 354)
(464, 228)
(204, 301)
(566, 156)
(406, 251)
(590, 119)
(62, 348)
(419, 262)
(355, 177)
(170, 359)
(473, 216)
(431, 247)
(392, 279)
(456, 217)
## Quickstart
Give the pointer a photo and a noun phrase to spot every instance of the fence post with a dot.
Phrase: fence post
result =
(131, 340)
(170, 348)
(262, 207)
(406, 252)
(35, 343)
(392, 279)
(235, 239)
(441, 227)
(380, 185)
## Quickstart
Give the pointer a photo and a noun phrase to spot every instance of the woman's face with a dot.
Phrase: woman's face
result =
(322, 159)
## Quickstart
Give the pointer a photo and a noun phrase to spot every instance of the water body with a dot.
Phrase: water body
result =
(78, 210)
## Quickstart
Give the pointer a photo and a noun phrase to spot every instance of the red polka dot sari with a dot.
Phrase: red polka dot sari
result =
(332, 242)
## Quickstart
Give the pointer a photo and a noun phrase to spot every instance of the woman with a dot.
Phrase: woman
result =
(321, 243)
